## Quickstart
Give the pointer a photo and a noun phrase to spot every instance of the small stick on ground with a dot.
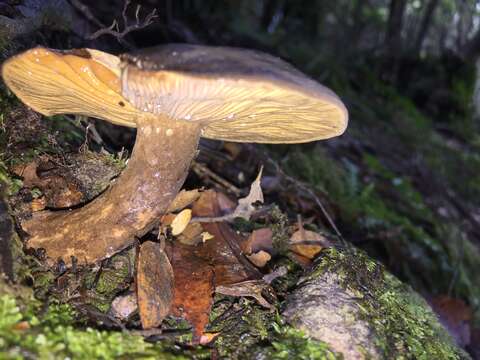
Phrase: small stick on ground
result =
(203, 171)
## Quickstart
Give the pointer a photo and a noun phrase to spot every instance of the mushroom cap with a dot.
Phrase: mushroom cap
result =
(240, 95)
(84, 82)
(236, 94)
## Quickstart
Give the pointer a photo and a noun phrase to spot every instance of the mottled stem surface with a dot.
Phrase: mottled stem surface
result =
(131, 206)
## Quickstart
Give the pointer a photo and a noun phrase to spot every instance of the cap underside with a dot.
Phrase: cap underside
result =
(240, 94)
(242, 110)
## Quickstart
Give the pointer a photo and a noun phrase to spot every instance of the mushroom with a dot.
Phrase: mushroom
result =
(173, 94)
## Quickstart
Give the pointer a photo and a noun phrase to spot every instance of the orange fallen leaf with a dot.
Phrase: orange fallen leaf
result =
(224, 250)
(193, 291)
(198, 269)
(154, 284)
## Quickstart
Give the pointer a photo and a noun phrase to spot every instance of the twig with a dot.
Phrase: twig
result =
(281, 271)
(305, 188)
(114, 29)
(201, 169)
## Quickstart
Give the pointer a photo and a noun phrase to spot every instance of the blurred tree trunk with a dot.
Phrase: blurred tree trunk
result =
(424, 26)
(358, 23)
(393, 38)
(471, 49)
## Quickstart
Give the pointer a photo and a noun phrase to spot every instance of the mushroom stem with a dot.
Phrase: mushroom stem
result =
(130, 208)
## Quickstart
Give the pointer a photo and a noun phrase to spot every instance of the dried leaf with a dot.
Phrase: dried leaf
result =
(234, 149)
(192, 235)
(60, 192)
(259, 259)
(28, 172)
(225, 204)
(183, 199)
(251, 288)
(307, 243)
(456, 316)
(181, 221)
(154, 284)
(260, 239)
(123, 306)
(38, 204)
(195, 266)
(224, 249)
(193, 292)
(303, 261)
(206, 236)
(207, 338)
(21, 326)
(245, 207)
(167, 219)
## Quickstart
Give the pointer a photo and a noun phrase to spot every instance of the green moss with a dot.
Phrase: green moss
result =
(54, 336)
(376, 203)
(290, 343)
(405, 326)
(252, 332)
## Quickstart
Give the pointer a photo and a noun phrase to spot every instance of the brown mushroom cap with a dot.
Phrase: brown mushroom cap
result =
(240, 95)
(236, 94)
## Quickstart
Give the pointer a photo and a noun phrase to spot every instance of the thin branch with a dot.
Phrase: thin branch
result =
(114, 29)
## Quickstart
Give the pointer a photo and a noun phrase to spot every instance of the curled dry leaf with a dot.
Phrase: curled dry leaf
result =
(307, 243)
(154, 284)
(206, 236)
(456, 316)
(38, 204)
(259, 259)
(192, 235)
(259, 240)
(250, 288)
(181, 221)
(245, 207)
(207, 338)
(183, 199)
